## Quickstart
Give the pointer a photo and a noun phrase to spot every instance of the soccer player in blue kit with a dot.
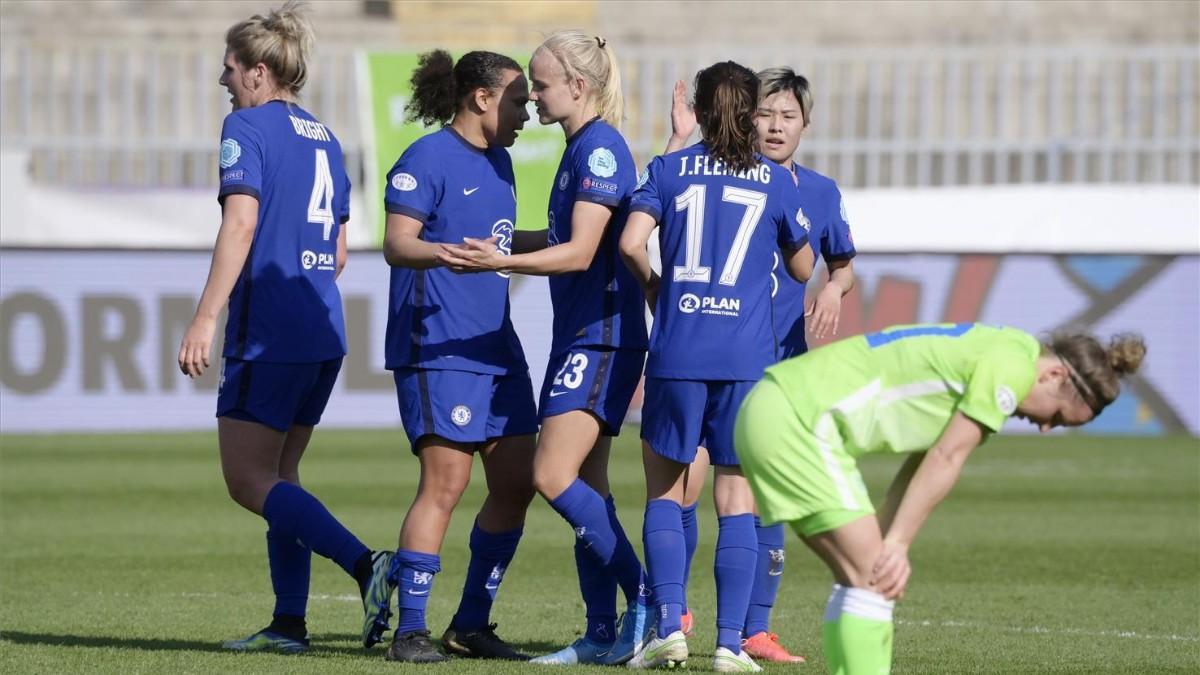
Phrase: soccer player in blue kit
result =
(285, 199)
(461, 378)
(784, 113)
(711, 341)
(599, 343)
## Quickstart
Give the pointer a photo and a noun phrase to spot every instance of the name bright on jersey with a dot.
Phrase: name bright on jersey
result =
(309, 128)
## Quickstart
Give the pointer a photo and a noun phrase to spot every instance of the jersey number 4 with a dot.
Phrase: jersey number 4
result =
(320, 202)
(691, 200)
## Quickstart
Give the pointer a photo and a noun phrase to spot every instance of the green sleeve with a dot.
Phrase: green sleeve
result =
(1001, 378)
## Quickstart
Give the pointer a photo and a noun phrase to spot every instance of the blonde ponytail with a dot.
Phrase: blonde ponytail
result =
(593, 60)
(282, 41)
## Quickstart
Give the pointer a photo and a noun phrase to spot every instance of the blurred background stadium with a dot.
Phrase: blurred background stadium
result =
(1027, 163)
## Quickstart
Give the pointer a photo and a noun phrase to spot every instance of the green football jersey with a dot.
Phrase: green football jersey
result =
(896, 390)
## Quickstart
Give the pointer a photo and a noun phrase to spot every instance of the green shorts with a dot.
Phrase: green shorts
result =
(800, 472)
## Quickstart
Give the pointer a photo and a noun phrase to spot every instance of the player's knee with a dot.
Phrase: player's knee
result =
(444, 492)
(856, 577)
(247, 492)
(551, 481)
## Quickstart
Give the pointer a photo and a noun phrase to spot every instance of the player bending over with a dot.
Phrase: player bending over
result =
(933, 391)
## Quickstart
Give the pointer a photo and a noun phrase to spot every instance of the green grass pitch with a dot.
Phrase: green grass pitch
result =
(122, 554)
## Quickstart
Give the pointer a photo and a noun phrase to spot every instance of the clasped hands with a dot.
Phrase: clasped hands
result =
(473, 255)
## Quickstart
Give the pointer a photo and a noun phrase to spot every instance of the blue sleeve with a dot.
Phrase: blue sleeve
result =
(241, 159)
(646, 198)
(343, 208)
(601, 174)
(414, 185)
(794, 226)
(836, 242)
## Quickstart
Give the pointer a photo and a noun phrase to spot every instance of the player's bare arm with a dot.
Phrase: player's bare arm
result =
(826, 309)
(403, 246)
(588, 222)
(931, 482)
(239, 217)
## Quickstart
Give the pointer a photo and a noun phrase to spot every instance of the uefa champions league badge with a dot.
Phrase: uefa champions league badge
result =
(643, 177)
(460, 415)
(564, 180)
(230, 152)
(404, 182)
(602, 162)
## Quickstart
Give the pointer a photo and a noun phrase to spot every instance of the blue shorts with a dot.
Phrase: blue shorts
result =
(278, 395)
(464, 407)
(677, 415)
(599, 380)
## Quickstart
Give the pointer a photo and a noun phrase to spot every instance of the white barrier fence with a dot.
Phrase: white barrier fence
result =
(148, 114)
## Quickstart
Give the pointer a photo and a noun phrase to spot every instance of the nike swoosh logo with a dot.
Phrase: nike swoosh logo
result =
(558, 393)
(467, 192)
(491, 588)
(773, 573)
(412, 592)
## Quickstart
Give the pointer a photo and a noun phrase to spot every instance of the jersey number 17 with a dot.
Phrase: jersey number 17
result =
(691, 200)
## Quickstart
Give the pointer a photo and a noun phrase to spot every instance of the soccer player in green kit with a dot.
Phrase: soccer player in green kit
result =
(934, 391)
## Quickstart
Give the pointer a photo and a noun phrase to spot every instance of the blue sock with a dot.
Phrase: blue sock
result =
(490, 555)
(293, 513)
(413, 573)
(585, 510)
(767, 575)
(290, 563)
(662, 536)
(691, 535)
(625, 565)
(733, 566)
(599, 591)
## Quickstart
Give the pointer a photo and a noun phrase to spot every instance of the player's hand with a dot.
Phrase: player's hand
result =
(197, 343)
(889, 575)
(825, 312)
(683, 118)
(473, 255)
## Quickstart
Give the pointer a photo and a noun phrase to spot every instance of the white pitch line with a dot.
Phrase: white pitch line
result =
(1040, 630)
(335, 598)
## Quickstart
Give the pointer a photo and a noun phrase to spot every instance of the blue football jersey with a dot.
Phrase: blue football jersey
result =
(824, 205)
(436, 318)
(718, 233)
(285, 306)
(602, 305)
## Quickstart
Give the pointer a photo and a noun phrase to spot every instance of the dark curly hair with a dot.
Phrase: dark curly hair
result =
(439, 85)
